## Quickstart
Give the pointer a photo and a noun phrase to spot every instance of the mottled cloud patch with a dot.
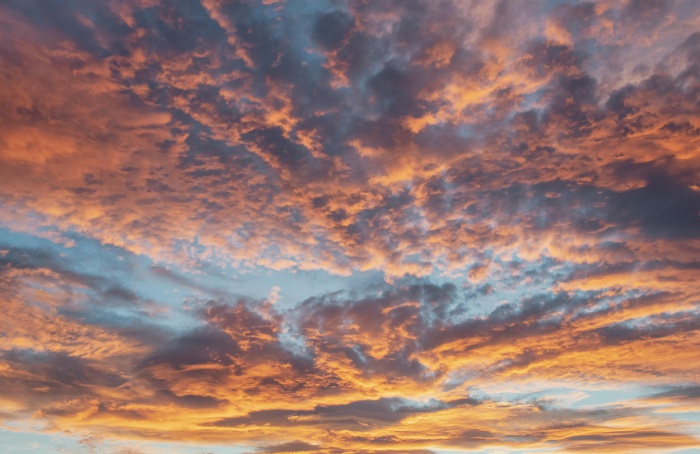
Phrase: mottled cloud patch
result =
(220, 93)
(507, 195)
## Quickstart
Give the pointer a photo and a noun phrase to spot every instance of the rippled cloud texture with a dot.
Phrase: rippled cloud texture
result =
(349, 226)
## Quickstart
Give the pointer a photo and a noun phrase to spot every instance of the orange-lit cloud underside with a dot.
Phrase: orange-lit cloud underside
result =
(504, 196)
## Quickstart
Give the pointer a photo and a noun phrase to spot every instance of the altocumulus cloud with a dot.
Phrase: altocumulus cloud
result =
(480, 222)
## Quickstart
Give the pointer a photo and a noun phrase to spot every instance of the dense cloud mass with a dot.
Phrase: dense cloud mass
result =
(352, 226)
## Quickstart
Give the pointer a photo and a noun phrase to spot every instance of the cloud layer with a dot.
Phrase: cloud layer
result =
(509, 195)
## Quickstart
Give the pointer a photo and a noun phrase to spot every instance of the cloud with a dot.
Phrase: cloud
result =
(508, 197)
(195, 135)
(292, 446)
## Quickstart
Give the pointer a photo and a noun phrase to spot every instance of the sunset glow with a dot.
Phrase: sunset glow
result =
(339, 226)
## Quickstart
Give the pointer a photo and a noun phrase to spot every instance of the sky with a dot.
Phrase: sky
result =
(349, 226)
